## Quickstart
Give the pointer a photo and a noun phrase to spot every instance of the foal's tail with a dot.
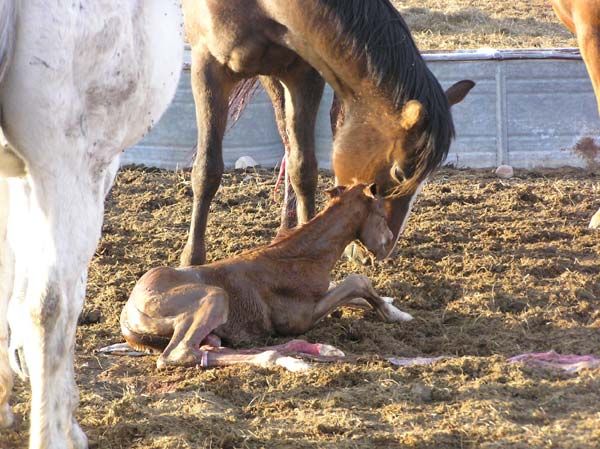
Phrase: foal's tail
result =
(8, 33)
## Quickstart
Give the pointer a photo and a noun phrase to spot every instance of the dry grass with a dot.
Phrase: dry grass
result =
(489, 269)
(459, 24)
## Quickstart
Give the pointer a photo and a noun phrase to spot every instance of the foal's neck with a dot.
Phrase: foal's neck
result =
(322, 240)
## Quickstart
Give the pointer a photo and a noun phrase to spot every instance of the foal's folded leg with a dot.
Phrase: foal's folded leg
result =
(350, 291)
(193, 328)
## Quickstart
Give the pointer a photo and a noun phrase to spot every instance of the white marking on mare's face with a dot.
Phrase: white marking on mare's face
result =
(405, 220)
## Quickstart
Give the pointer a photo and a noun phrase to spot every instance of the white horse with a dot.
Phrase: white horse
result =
(79, 82)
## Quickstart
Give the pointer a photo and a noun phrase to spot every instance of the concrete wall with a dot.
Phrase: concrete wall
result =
(527, 109)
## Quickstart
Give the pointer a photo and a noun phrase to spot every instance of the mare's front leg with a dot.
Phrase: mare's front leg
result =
(303, 91)
(63, 236)
(6, 283)
(211, 85)
(358, 286)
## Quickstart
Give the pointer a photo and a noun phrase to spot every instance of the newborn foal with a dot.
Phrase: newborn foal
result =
(281, 288)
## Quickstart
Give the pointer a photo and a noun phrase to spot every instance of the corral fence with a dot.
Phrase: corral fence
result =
(528, 109)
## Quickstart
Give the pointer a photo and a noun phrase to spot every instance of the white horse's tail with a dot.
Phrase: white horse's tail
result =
(8, 33)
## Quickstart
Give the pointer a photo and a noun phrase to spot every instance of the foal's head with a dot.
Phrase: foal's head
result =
(395, 151)
(365, 204)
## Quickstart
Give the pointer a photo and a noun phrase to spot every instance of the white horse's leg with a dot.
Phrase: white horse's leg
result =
(6, 268)
(62, 228)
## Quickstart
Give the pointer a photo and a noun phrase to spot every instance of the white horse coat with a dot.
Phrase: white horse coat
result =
(82, 80)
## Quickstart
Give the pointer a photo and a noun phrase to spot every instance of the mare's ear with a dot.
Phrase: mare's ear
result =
(413, 114)
(458, 91)
(335, 191)
(371, 190)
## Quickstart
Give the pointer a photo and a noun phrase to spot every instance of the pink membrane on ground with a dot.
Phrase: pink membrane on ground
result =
(553, 361)
(414, 361)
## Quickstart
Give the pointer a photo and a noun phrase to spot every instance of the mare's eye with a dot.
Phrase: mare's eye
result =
(397, 173)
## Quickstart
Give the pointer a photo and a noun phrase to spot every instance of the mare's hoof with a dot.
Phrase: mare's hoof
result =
(7, 418)
(357, 254)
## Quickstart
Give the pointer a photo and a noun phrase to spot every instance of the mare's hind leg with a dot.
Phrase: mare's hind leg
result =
(63, 235)
(211, 85)
(303, 92)
(358, 286)
(6, 282)
(192, 328)
(276, 93)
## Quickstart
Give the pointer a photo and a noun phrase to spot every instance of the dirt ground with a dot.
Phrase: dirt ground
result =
(488, 268)
(461, 24)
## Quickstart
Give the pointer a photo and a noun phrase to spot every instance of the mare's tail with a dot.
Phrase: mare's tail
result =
(8, 33)
(240, 97)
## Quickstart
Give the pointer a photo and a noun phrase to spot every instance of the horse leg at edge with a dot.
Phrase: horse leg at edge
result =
(55, 289)
(6, 283)
(211, 85)
(588, 38)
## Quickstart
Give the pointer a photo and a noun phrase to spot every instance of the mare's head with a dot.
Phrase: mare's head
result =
(363, 201)
(397, 152)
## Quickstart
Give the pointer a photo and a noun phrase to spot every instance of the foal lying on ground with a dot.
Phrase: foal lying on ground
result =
(281, 288)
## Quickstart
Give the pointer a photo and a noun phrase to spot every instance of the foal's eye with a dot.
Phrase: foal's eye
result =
(397, 173)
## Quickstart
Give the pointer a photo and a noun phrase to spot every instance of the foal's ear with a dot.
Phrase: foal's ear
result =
(371, 190)
(335, 191)
(412, 115)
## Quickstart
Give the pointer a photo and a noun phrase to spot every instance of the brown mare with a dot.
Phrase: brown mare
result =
(398, 124)
(582, 17)
(281, 288)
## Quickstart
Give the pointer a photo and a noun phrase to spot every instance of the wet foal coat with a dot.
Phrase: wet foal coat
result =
(282, 288)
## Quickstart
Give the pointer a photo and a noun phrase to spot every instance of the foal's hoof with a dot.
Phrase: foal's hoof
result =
(330, 351)
(394, 315)
(7, 418)
(357, 254)
(292, 364)
(271, 358)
